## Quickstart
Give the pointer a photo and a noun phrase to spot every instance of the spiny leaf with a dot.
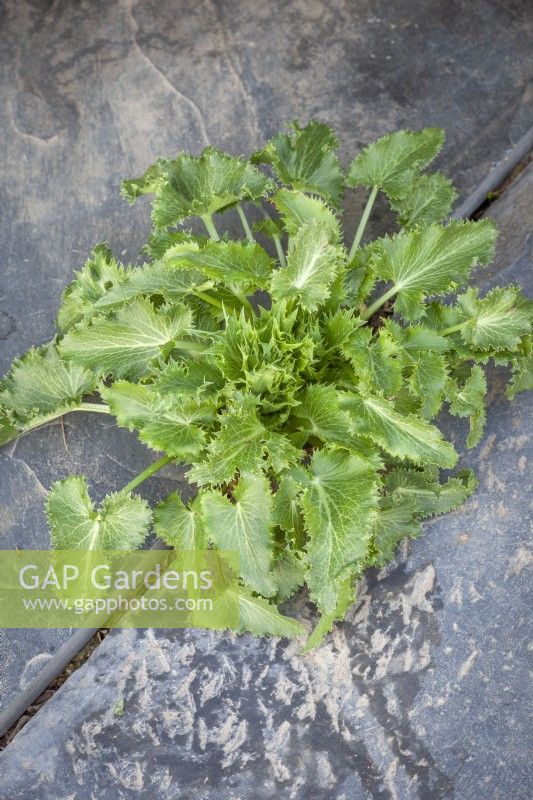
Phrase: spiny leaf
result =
(125, 344)
(40, 383)
(401, 435)
(121, 523)
(319, 416)
(175, 429)
(305, 158)
(8, 431)
(288, 572)
(338, 496)
(297, 209)
(427, 381)
(496, 322)
(417, 339)
(286, 511)
(180, 526)
(242, 263)
(432, 260)
(198, 185)
(429, 199)
(392, 162)
(522, 368)
(262, 618)
(238, 445)
(393, 522)
(422, 487)
(161, 241)
(100, 275)
(466, 399)
(324, 625)
(375, 360)
(312, 265)
(244, 526)
(196, 379)
(157, 278)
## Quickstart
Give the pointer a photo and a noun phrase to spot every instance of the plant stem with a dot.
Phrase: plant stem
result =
(210, 227)
(279, 250)
(211, 300)
(247, 230)
(147, 473)
(362, 224)
(379, 302)
(98, 407)
(452, 329)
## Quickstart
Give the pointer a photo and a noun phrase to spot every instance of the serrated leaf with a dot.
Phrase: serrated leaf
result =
(401, 435)
(392, 162)
(297, 209)
(338, 497)
(429, 199)
(432, 260)
(198, 185)
(305, 158)
(100, 274)
(41, 383)
(262, 618)
(392, 523)
(324, 625)
(156, 279)
(417, 339)
(428, 495)
(360, 279)
(286, 511)
(175, 429)
(151, 181)
(288, 573)
(467, 399)
(427, 381)
(201, 378)
(121, 523)
(312, 266)
(496, 322)
(522, 368)
(244, 526)
(160, 241)
(126, 343)
(338, 327)
(318, 415)
(375, 360)
(8, 431)
(243, 263)
(180, 526)
(239, 445)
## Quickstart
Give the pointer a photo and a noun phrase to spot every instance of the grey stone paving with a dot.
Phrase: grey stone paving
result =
(421, 694)
(92, 91)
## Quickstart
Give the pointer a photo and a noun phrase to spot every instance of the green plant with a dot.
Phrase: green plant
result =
(305, 412)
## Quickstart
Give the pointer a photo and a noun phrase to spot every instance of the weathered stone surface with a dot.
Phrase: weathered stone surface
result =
(92, 92)
(421, 694)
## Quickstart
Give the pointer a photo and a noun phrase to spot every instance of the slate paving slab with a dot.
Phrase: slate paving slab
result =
(92, 92)
(421, 694)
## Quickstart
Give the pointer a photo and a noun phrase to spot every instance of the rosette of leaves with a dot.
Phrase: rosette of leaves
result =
(308, 418)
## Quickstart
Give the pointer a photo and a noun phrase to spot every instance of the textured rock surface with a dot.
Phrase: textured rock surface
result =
(420, 695)
(92, 92)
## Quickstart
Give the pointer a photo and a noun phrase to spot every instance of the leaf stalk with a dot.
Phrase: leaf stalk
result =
(147, 473)
(363, 222)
